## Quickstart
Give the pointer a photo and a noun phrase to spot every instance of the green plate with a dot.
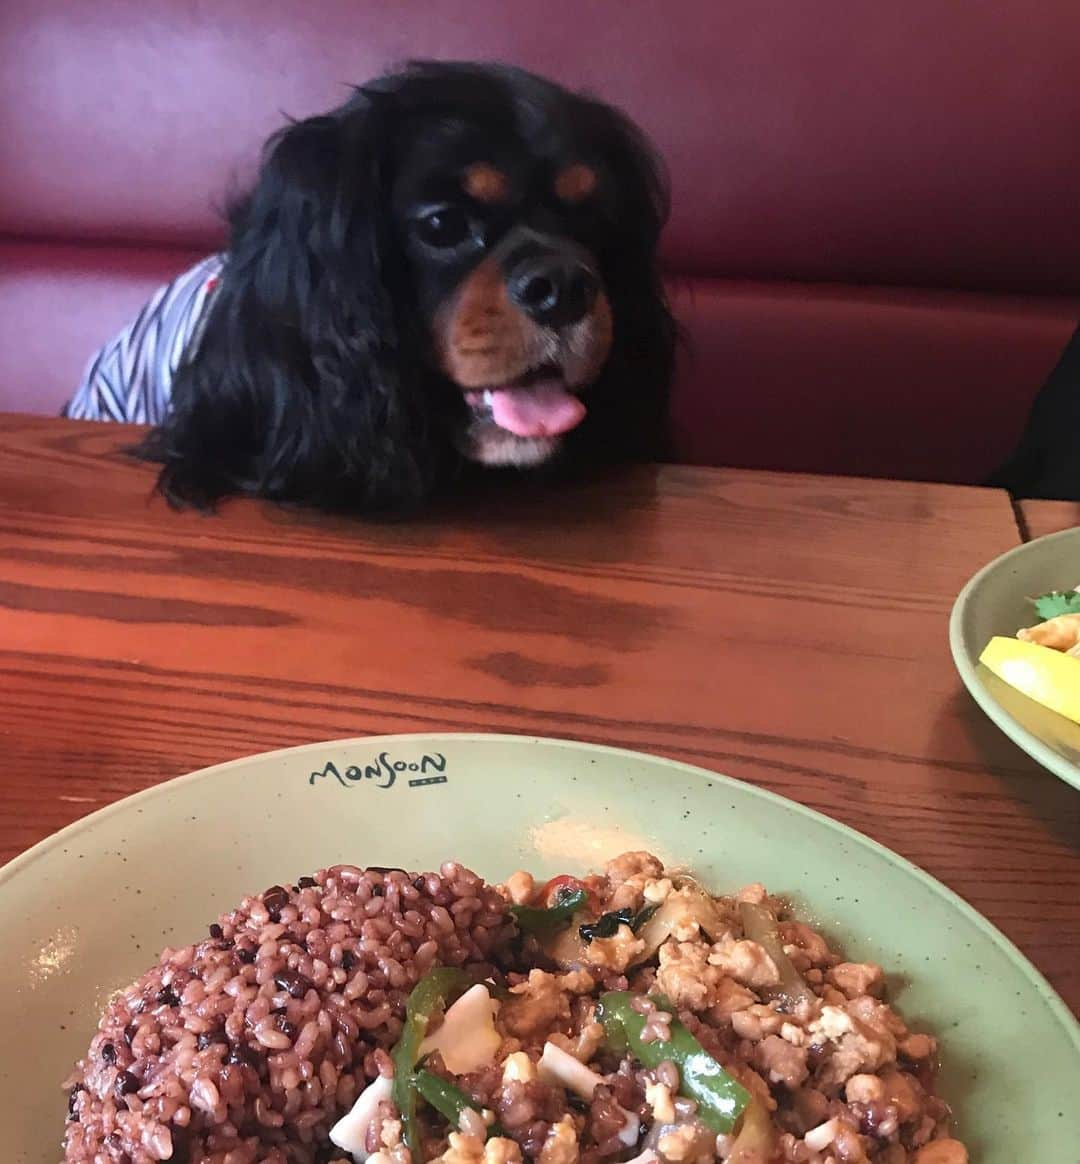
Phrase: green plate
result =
(995, 602)
(88, 909)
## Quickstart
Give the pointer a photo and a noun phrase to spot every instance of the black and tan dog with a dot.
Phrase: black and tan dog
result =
(457, 266)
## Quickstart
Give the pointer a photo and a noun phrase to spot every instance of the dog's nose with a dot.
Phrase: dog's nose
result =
(554, 290)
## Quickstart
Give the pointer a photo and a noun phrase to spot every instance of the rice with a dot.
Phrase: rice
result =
(249, 1045)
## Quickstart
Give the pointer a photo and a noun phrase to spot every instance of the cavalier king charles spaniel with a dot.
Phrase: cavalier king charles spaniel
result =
(455, 271)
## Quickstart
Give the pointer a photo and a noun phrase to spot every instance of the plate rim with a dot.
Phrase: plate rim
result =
(1067, 1020)
(1039, 751)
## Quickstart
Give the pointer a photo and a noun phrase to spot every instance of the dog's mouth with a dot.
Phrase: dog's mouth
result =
(535, 404)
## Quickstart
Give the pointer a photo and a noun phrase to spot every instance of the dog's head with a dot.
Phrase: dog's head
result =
(515, 201)
(457, 262)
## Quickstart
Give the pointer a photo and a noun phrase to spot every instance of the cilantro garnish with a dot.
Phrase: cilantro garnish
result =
(1057, 602)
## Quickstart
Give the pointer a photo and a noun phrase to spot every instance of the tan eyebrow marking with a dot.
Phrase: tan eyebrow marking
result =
(485, 183)
(575, 182)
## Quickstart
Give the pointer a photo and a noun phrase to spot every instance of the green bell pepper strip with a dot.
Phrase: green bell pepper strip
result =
(429, 995)
(448, 1099)
(721, 1099)
(542, 922)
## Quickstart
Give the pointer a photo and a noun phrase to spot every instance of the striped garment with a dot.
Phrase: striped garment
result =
(130, 379)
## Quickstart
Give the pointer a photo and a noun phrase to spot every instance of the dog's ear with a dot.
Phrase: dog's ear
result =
(301, 387)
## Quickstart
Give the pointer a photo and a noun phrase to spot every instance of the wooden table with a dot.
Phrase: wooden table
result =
(787, 630)
(1037, 518)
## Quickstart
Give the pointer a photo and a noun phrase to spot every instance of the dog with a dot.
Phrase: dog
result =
(1046, 462)
(455, 270)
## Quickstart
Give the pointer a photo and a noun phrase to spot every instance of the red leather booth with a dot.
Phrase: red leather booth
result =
(875, 244)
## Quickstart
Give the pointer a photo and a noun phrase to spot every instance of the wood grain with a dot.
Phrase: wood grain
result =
(786, 630)
(1038, 518)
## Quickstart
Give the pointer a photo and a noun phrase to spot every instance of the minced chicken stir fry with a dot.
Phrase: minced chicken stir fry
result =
(379, 1016)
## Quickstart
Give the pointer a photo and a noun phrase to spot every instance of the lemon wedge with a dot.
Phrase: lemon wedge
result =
(1041, 673)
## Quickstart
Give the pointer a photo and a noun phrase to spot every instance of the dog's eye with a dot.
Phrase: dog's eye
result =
(443, 227)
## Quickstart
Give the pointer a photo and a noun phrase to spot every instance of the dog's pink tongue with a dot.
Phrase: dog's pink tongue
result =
(542, 409)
